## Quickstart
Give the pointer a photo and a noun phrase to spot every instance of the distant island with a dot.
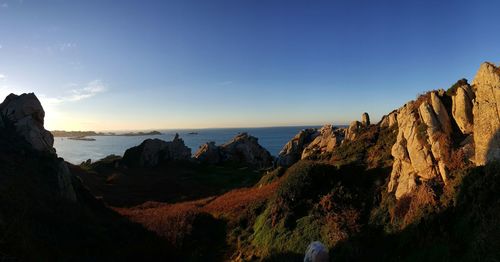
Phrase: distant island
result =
(80, 135)
(82, 138)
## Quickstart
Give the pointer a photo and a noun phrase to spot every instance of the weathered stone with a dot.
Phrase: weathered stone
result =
(353, 130)
(462, 109)
(486, 112)
(292, 151)
(245, 148)
(26, 114)
(209, 153)
(412, 156)
(152, 152)
(389, 120)
(328, 139)
(365, 119)
(441, 113)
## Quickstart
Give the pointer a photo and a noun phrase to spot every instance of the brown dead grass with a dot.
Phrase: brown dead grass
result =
(413, 207)
(175, 221)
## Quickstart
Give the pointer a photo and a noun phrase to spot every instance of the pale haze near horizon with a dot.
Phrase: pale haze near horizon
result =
(134, 65)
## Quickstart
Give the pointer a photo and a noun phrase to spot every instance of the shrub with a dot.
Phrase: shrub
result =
(422, 132)
(379, 155)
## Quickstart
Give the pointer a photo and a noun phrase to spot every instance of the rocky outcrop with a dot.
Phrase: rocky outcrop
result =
(441, 112)
(353, 130)
(365, 119)
(417, 151)
(209, 153)
(462, 108)
(389, 120)
(26, 115)
(152, 152)
(486, 113)
(292, 151)
(326, 141)
(243, 148)
(22, 116)
(429, 132)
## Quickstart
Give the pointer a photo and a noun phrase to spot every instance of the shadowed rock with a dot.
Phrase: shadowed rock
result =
(243, 149)
(152, 152)
(26, 115)
(209, 153)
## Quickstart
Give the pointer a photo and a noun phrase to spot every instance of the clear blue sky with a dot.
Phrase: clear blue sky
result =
(109, 65)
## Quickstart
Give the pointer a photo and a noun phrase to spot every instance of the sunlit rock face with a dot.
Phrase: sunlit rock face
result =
(389, 120)
(25, 114)
(152, 152)
(427, 133)
(462, 103)
(208, 153)
(486, 113)
(292, 151)
(327, 140)
(421, 145)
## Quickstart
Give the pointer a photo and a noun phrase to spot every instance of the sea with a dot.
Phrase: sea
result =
(76, 151)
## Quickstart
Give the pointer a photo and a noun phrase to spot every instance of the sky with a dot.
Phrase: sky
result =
(142, 65)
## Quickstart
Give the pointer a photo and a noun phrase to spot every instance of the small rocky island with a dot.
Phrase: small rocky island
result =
(82, 135)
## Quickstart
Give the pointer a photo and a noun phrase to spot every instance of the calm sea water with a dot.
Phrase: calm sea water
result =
(76, 151)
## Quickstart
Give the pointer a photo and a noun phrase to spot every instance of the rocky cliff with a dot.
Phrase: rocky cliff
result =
(436, 134)
(486, 113)
(319, 143)
(442, 128)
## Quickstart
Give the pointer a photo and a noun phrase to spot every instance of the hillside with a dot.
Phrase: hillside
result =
(420, 185)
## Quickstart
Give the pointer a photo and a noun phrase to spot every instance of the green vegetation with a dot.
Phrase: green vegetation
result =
(316, 201)
(422, 135)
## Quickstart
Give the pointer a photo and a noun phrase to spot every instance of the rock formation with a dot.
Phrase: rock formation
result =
(23, 117)
(353, 130)
(292, 151)
(426, 135)
(389, 120)
(26, 114)
(152, 152)
(486, 113)
(209, 153)
(328, 139)
(365, 119)
(462, 108)
(243, 148)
